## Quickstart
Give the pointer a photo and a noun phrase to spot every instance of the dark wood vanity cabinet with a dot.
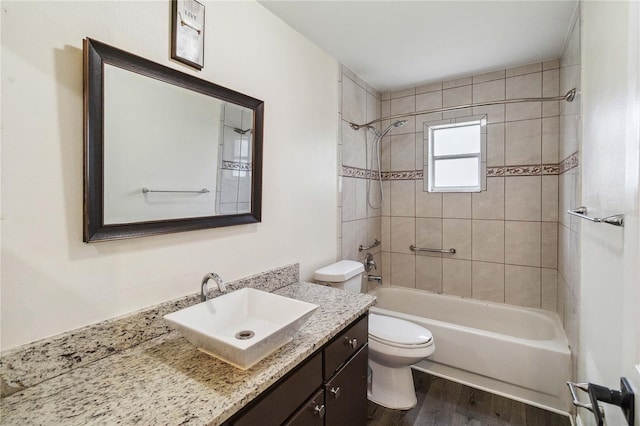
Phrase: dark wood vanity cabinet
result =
(328, 389)
(346, 392)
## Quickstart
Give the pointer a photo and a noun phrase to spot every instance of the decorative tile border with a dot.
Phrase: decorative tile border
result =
(33, 363)
(231, 165)
(529, 170)
(356, 172)
(569, 163)
(526, 170)
(403, 175)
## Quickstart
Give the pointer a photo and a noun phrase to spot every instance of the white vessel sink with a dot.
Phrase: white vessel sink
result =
(243, 326)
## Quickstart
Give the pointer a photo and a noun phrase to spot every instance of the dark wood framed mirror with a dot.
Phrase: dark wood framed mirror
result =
(165, 151)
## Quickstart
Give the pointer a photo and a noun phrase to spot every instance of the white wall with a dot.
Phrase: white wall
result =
(609, 270)
(51, 280)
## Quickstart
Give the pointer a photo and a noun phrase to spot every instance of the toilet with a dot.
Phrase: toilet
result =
(394, 344)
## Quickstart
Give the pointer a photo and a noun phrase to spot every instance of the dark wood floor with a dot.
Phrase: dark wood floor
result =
(445, 403)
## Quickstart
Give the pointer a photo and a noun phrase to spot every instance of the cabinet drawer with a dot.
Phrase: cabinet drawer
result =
(345, 345)
(311, 413)
(285, 396)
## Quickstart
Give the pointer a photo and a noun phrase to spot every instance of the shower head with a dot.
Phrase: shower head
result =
(393, 126)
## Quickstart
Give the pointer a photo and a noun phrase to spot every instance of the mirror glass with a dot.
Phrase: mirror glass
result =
(165, 151)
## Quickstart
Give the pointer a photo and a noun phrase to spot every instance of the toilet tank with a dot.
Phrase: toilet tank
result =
(345, 274)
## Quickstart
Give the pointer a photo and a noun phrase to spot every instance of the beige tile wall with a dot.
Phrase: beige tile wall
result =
(505, 237)
(359, 224)
(514, 242)
(569, 196)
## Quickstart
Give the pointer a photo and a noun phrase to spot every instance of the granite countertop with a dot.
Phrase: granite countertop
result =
(165, 380)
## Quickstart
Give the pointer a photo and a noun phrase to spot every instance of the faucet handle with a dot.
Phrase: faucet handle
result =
(369, 263)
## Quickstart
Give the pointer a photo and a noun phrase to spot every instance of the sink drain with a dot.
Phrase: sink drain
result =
(245, 334)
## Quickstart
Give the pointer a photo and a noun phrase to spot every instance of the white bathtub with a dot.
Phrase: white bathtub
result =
(520, 353)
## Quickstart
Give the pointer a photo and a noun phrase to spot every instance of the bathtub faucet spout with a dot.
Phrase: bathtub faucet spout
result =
(375, 278)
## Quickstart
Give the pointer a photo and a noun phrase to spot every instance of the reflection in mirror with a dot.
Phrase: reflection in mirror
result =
(165, 151)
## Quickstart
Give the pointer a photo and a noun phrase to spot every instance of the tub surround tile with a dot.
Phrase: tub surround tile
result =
(432, 87)
(353, 144)
(354, 99)
(549, 289)
(403, 149)
(495, 144)
(403, 105)
(550, 138)
(34, 363)
(510, 225)
(456, 205)
(524, 86)
(524, 69)
(463, 81)
(487, 282)
(551, 64)
(428, 101)
(522, 198)
(457, 96)
(489, 204)
(456, 233)
(522, 286)
(165, 380)
(523, 142)
(489, 76)
(429, 273)
(403, 198)
(522, 243)
(428, 234)
(487, 240)
(403, 93)
(403, 270)
(488, 91)
(403, 234)
(456, 277)
(524, 111)
(494, 113)
(550, 198)
(428, 204)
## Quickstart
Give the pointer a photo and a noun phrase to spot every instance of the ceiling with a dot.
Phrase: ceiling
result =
(398, 44)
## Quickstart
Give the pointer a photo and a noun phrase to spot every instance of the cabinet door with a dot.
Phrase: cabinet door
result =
(347, 343)
(283, 398)
(346, 393)
(312, 412)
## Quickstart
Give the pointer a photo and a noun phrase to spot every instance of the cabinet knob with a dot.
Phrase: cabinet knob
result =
(335, 392)
(319, 410)
(353, 343)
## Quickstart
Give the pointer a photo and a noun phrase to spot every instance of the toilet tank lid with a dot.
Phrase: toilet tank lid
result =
(339, 271)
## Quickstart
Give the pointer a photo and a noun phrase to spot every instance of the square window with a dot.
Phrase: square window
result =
(454, 156)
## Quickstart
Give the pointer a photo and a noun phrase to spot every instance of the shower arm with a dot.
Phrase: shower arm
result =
(568, 97)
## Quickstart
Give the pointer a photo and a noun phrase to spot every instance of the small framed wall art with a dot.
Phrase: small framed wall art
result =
(187, 32)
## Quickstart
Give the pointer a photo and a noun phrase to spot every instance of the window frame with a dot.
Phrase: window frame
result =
(432, 158)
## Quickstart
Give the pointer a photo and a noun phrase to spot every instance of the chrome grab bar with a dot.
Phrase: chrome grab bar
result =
(581, 212)
(376, 243)
(146, 190)
(430, 250)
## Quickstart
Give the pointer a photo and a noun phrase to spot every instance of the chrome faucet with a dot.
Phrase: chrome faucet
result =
(376, 278)
(204, 291)
(369, 263)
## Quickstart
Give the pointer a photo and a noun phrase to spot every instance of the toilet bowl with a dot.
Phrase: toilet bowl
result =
(394, 344)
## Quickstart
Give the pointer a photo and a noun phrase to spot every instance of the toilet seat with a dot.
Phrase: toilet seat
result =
(398, 333)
